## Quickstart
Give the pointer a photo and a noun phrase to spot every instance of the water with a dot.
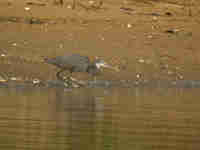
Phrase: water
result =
(99, 119)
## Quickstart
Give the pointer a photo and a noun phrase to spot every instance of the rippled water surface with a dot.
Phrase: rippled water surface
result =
(100, 119)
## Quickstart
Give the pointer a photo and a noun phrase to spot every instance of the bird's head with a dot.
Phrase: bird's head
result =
(99, 63)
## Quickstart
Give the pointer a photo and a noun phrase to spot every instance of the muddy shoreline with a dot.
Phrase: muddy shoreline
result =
(156, 41)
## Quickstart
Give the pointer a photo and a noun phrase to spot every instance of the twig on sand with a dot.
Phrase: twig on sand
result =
(74, 4)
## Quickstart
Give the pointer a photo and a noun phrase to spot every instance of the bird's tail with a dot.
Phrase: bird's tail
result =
(47, 60)
(52, 61)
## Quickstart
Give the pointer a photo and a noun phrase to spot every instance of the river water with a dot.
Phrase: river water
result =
(99, 119)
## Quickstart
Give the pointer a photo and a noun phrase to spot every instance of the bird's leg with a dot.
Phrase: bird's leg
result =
(95, 79)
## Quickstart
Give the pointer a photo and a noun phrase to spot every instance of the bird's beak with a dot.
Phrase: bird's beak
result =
(105, 65)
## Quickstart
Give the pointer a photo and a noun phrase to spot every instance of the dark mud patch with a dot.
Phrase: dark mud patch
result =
(31, 20)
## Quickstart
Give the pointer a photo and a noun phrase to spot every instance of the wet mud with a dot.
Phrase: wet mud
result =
(150, 41)
(100, 84)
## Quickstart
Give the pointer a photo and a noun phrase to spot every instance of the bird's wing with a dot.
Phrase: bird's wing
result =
(80, 63)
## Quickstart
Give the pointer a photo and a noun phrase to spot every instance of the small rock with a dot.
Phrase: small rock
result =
(180, 76)
(129, 25)
(13, 78)
(3, 55)
(138, 75)
(91, 2)
(27, 8)
(14, 44)
(155, 18)
(141, 60)
(69, 6)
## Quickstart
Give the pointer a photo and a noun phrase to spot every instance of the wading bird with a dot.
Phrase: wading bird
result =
(78, 63)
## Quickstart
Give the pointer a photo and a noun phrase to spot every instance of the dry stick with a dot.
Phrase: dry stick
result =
(61, 2)
(74, 4)
(187, 6)
(189, 9)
